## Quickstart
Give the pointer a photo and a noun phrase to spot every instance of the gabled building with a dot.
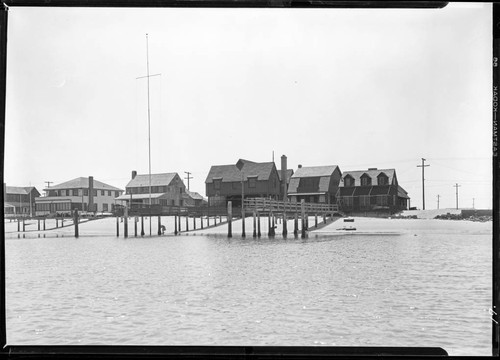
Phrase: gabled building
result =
(192, 198)
(315, 184)
(167, 189)
(83, 194)
(371, 190)
(19, 201)
(224, 182)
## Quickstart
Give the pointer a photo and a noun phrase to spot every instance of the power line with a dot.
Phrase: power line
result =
(457, 186)
(188, 177)
(423, 186)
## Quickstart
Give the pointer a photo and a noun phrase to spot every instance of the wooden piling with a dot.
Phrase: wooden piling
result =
(258, 224)
(303, 215)
(117, 226)
(175, 224)
(315, 220)
(254, 225)
(229, 219)
(18, 225)
(273, 225)
(296, 225)
(159, 225)
(135, 226)
(242, 221)
(142, 225)
(179, 222)
(57, 224)
(43, 224)
(125, 223)
(324, 218)
(24, 226)
(201, 220)
(187, 223)
(75, 221)
(208, 219)
(38, 224)
(285, 230)
(194, 222)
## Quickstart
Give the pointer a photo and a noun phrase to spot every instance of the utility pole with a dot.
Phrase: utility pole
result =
(473, 203)
(48, 186)
(423, 187)
(188, 177)
(457, 186)
(438, 200)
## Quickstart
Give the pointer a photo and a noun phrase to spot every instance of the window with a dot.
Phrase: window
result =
(217, 184)
(366, 180)
(235, 185)
(95, 193)
(63, 192)
(85, 192)
(252, 182)
(117, 193)
(382, 179)
(347, 200)
(181, 190)
(364, 201)
(382, 200)
(348, 181)
(75, 192)
(104, 207)
(109, 193)
(102, 192)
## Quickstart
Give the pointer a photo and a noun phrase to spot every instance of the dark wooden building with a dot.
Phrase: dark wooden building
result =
(315, 184)
(371, 190)
(224, 182)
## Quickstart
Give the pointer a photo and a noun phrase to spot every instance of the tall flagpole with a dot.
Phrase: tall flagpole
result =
(149, 132)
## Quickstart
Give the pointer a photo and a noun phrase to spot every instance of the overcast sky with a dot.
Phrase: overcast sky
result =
(353, 88)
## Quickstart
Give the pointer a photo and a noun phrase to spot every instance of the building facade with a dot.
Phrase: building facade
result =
(251, 179)
(315, 184)
(372, 190)
(167, 189)
(83, 194)
(19, 201)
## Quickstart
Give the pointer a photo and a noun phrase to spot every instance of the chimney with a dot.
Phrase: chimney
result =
(91, 194)
(300, 166)
(283, 176)
(134, 174)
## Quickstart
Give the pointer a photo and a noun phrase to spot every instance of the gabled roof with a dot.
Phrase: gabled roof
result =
(19, 190)
(230, 173)
(373, 174)
(402, 193)
(156, 180)
(194, 195)
(314, 171)
(82, 183)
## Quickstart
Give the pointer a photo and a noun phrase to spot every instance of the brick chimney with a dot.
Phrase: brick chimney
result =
(283, 177)
(134, 174)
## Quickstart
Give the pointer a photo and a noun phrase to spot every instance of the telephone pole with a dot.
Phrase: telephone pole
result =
(423, 186)
(438, 200)
(188, 177)
(457, 186)
(473, 203)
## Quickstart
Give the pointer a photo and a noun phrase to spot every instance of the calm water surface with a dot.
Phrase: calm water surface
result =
(406, 290)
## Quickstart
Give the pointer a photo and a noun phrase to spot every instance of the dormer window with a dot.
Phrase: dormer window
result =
(366, 180)
(348, 181)
(217, 183)
(383, 179)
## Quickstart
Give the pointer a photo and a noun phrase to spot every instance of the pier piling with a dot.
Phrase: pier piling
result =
(75, 221)
(229, 219)
(142, 225)
(125, 223)
(285, 230)
(135, 226)
(254, 225)
(159, 225)
(258, 225)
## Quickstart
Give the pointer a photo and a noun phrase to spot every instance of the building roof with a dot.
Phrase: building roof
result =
(138, 196)
(194, 195)
(82, 183)
(314, 171)
(230, 173)
(402, 193)
(373, 174)
(156, 180)
(289, 174)
(20, 190)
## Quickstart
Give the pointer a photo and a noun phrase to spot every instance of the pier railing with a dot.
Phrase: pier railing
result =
(264, 205)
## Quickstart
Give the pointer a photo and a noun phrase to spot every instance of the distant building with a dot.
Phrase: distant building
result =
(224, 182)
(372, 190)
(192, 198)
(315, 184)
(19, 200)
(83, 193)
(167, 189)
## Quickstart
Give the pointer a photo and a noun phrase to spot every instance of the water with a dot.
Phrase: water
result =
(433, 289)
